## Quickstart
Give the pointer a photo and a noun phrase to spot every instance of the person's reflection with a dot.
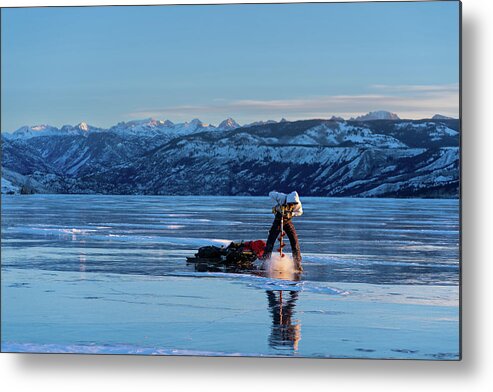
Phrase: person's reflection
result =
(285, 333)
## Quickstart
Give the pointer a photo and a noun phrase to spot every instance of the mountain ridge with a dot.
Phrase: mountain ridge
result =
(228, 123)
(374, 158)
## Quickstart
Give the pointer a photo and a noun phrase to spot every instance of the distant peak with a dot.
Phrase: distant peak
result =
(138, 122)
(336, 118)
(168, 123)
(40, 127)
(27, 132)
(441, 117)
(377, 115)
(196, 122)
(261, 123)
(83, 126)
(229, 123)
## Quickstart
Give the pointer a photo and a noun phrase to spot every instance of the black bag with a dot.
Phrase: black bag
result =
(210, 252)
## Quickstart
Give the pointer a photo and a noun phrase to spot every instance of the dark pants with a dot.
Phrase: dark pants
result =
(293, 239)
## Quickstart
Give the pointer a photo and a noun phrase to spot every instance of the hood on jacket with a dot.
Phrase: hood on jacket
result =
(293, 197)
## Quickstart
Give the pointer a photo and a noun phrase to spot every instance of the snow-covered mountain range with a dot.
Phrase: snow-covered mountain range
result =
(370, 157)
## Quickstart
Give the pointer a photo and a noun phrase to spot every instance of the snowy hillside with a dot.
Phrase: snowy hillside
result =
(372, 158)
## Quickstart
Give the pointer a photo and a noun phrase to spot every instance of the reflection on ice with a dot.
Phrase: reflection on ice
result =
(285, 332)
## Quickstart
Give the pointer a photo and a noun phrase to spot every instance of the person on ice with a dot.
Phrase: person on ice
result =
(286, 205)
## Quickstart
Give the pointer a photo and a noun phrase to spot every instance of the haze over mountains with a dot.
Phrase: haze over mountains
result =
(375, 155)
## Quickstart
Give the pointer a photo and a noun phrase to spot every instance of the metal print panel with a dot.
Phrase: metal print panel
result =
(312, 211)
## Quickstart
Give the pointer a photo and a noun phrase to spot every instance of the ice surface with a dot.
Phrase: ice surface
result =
(108, 274)
(51, 311)
(369, 241)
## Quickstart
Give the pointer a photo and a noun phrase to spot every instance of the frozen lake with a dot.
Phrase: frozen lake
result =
(108, 274)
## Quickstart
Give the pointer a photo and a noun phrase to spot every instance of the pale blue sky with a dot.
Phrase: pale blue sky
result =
(252, 62)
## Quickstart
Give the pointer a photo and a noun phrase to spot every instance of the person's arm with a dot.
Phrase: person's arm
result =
(298, 210)
(278, 199)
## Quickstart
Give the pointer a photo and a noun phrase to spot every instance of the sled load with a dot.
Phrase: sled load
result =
(236, 257)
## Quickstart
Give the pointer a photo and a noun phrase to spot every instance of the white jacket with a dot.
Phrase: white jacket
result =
(278, 199)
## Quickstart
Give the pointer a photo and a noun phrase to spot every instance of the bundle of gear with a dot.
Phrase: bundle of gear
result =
(237, 256)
